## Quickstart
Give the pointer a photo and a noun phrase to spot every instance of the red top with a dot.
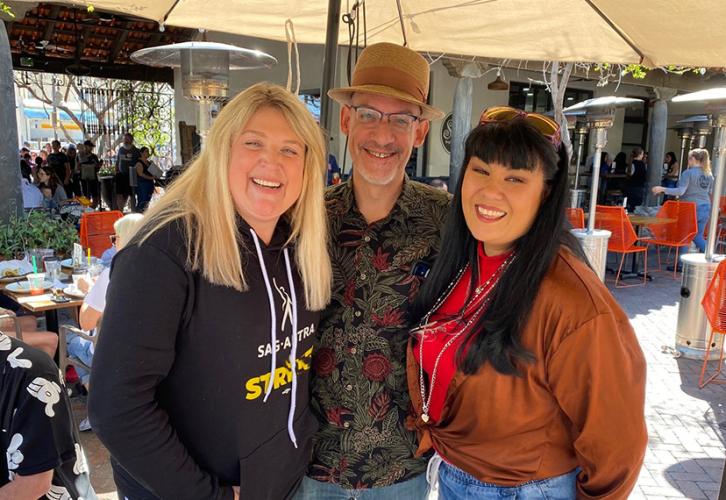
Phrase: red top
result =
(435, 343)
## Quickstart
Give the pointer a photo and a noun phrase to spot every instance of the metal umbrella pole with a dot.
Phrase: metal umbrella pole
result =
(692, 329)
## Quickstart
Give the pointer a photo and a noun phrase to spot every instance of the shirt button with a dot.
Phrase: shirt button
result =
(353, 350)
(363, 276)
(357, 314)
(346, 424)
(349, 387)
(367, 239)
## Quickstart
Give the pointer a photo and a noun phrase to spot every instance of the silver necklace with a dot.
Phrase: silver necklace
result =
(426, 399)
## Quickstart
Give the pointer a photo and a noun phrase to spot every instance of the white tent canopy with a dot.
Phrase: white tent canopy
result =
(616, 31)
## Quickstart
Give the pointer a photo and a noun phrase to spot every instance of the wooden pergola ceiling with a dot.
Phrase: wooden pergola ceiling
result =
(62, 39)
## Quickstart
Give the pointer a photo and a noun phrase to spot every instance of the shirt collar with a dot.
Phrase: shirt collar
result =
(406, 200)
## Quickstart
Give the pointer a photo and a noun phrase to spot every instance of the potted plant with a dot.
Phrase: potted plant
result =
(37, 229)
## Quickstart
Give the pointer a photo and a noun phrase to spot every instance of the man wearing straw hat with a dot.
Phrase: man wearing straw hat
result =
(384, 235)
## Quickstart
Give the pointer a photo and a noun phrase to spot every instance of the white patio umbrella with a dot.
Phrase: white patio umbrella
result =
(614, 31)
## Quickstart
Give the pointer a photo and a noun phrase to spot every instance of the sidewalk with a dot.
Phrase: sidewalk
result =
(686, 426)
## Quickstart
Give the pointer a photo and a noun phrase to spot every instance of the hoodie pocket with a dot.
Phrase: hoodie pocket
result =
(275, 469)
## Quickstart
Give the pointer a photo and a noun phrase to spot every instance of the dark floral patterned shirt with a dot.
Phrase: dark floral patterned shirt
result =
(359, 381)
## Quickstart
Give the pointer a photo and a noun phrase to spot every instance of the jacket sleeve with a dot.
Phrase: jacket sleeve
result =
(682, 185)
(136, 349)
(597, 375)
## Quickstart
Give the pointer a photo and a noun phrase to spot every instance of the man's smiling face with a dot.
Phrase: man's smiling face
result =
(381, 150)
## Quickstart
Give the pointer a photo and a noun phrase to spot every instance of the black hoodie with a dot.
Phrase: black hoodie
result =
(180, 370)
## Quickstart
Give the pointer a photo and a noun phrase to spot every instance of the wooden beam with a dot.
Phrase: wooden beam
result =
(135, 72)
(50, 26)
(117, 45)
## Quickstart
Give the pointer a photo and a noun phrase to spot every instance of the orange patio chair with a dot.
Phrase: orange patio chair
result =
(96, 227)
(576, 216)
(714, 304)
(623, 239)
(674, 234)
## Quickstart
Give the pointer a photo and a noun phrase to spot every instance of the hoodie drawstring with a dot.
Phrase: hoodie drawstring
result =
(273, 316)
(273, 334)
(293, 352)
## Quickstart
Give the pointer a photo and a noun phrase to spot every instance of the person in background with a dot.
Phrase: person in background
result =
(439, 184)
(60, 164)
(671, 170)
(385, 233)
(126, 159)
(89, 165)
(40, 339)
(695, 185)
(525, 374)
(50, 186)
(32, 197)
(191, 403)
(44, 457)
(144, 179)
(637, 178)
(75, 184)
(93, 305)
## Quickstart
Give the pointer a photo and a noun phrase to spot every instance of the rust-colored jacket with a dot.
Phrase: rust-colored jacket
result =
(580, 404)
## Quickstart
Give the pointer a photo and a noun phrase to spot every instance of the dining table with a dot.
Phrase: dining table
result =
(48, 303)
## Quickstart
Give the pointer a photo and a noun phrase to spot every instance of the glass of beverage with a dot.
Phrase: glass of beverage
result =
(52, 267)
(35, 282)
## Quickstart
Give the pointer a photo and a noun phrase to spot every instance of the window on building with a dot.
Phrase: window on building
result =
(536, 99)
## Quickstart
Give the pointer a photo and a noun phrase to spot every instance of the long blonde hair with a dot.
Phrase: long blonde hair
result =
(703, 158)
(201, 199)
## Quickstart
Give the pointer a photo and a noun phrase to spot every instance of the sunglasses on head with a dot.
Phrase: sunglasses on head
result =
(546, 126)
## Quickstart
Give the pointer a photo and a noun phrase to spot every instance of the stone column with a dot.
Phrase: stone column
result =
(461, 111)
(656, 149)
(11, 198)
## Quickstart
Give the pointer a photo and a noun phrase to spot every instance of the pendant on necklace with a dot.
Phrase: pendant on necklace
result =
(425, 418)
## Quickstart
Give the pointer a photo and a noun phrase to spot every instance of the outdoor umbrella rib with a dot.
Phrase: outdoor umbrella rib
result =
(617, 30)
(173, 6)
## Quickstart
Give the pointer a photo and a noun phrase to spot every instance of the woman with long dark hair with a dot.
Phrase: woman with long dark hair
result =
(525, 375)
(671, 170)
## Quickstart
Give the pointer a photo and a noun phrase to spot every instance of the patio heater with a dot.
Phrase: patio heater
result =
(599, 114)
(692, 329)
(205, 70)
(577, 195)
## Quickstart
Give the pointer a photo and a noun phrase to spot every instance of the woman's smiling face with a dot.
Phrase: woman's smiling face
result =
(500, 203)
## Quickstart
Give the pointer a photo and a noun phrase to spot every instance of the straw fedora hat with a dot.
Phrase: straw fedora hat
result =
(390, 70)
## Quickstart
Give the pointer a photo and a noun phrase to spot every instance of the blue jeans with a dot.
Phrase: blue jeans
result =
(143, 194)
(82, 350)
(455, 484)
(413, 489)
(703, 212)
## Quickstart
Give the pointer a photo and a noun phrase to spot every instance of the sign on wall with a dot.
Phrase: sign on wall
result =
(446, 132)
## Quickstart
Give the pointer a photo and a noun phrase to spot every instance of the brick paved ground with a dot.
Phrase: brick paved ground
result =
(687, 426)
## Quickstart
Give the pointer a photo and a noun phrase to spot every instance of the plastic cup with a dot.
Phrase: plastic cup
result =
(35, 282)
(52, 267)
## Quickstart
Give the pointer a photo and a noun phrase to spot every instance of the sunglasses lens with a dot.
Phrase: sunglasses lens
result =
(544, 125)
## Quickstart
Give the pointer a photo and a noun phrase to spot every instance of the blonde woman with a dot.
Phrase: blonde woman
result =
(201, 374)
(696, 185)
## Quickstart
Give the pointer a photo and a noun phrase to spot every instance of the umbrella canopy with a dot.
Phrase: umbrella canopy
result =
(615, 31)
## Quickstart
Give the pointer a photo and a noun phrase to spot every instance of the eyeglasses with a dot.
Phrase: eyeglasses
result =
(546, 126)
(401, 122)
(113, 238)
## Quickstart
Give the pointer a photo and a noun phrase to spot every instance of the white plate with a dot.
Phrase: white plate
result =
(72, 291)
(68, 263)
(23, 286)
(19, 266)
